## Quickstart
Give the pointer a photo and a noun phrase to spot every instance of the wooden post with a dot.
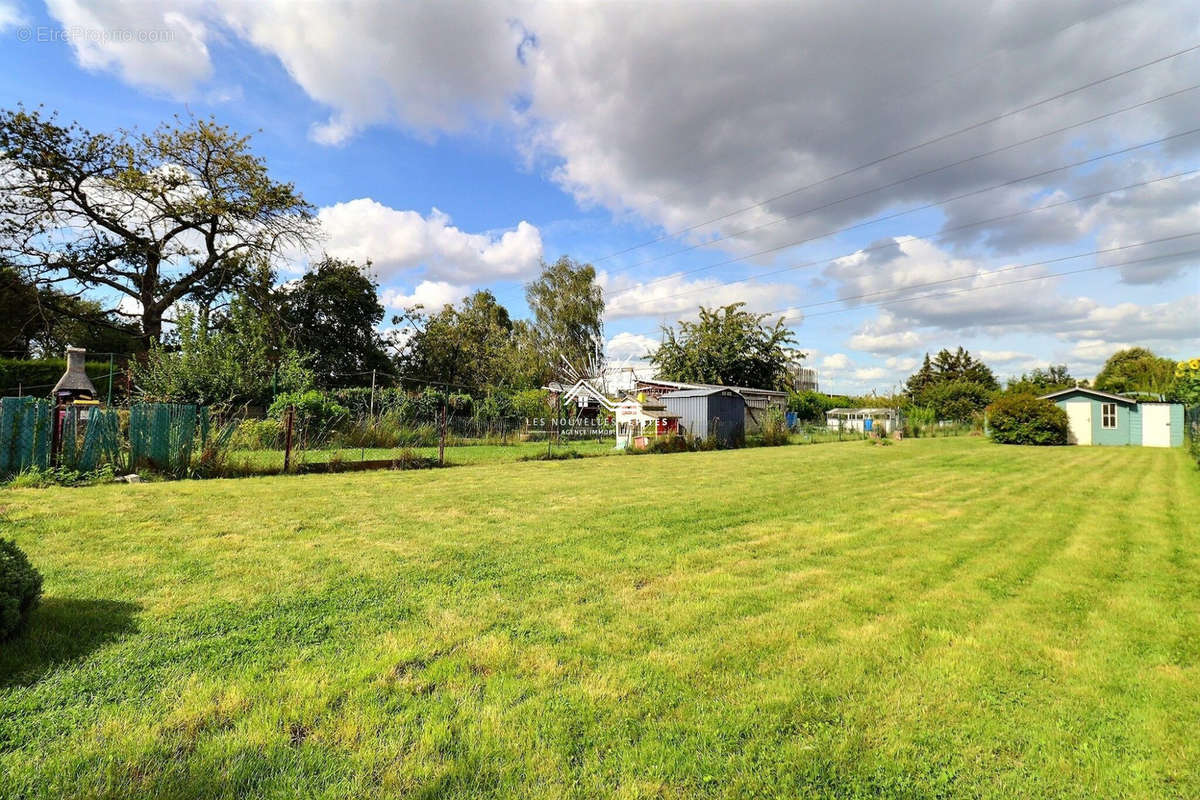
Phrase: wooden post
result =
(110, 379)
(287, 440)
(371, 413)
(442, 439)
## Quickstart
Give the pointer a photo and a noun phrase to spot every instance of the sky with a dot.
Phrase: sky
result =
(1019, 178)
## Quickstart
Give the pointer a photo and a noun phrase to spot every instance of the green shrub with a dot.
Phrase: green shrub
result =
(36, 478)
(315, 410)
(20, 589)
(774, 429)
(258, 434)
(1025, 419)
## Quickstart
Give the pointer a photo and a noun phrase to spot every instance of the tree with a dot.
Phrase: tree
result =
(470, 346)
(42, 321)
(568, 312)
(331, 315)
(1043, 381)
(726, 346)
(955, 385)
(1186, 388)
(1136, 369)
(239, 361)
(920, 381)
(179, 214)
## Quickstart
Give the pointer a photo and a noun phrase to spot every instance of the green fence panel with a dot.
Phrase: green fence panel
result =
(24, 434)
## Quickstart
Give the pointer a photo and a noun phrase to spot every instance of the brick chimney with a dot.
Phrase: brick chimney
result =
(74, 384)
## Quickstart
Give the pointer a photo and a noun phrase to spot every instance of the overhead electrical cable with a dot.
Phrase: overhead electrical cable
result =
(912, 148)
(933, 236)
(915, 209)
(914, 176)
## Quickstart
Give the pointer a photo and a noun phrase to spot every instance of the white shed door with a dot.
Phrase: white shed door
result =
(1156, 425)
(1079, 417)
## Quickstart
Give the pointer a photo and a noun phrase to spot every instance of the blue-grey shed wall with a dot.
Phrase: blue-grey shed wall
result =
(697, 415)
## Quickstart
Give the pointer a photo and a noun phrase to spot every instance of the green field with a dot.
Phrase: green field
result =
(939, 618)
(458, 455)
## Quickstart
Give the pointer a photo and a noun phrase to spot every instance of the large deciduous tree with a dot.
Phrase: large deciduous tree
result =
(568, 318)
(42, 321)
(331, 314)
(178, 214)
(1136, 369)
(955, 385)
(239, 359)
(470, 346)
(728, 346)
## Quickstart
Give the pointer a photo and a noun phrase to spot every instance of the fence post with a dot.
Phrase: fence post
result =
(371, 412)
(442, 439)
(287, 442)
(110, 379)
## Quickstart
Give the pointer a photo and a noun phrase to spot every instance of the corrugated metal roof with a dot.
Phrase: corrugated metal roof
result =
(698, 392)
(738, 389)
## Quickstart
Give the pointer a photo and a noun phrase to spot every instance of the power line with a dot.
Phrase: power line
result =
(939, 234)
(934, 236)
(970, 289)
(1012, 269)
(912, 148)
(915, 176)
(894, 98)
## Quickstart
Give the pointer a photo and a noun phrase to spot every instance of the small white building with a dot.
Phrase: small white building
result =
(640, 420)
(864, 420)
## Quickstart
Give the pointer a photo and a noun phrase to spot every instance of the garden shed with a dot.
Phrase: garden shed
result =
(1100, 418)
(710, 411)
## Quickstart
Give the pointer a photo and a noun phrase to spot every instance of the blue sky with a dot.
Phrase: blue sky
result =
(457, 144)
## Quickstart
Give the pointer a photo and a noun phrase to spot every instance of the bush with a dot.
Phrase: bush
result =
(774, 429)
(20, 589)
(1025, 419)
(315, 411)
(258, 434)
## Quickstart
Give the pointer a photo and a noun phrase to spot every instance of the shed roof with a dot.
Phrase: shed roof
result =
(1093, 392)
(887, 411)
(682, 385)
(702, 392)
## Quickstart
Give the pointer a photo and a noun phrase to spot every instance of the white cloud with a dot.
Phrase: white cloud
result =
(10, 15)
(886, 336)
(1005, 356)
(159, 47)
(432, 295)
(836, 361)
(674, 296)
(629, 345)
(396, 241)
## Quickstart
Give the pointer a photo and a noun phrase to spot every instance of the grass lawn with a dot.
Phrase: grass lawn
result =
(940, 618)
(267, 460)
